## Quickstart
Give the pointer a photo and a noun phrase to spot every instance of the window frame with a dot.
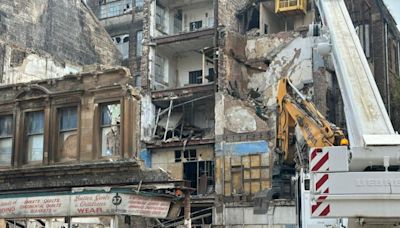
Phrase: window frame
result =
(113, 8)
(139, 7)
(139, 45)
(26, 136)
(160, 25)
(159, 77)
(123, 47)
(12, 114)
(199, 78)
(101, 126)
(57, 156)
(193, 25)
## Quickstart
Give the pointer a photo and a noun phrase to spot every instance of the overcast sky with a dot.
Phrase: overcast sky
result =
(394, 7)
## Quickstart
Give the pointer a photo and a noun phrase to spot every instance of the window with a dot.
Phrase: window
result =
(190, 155)
(363, 32)
(139, 38)
(114, 8)
(195, 77)
(122, 43)
(159, 68)
(138, 80)
(67, 135)
(211, 74)
(6, 138)
(139, 4)
(160, 17)
(178, 21)
(178, 156)
(393, 56)
(35, 135)
(196, 25)
(110, 129)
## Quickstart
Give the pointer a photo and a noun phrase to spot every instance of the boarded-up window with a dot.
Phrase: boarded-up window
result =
(110, 129)
(245, 175)
(6, 139)
(35, 135)
(67, 137)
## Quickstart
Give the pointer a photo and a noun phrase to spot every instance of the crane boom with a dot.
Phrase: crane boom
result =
(367, 121)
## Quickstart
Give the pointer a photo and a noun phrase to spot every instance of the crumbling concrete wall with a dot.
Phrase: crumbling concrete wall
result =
(246, 103)
(22, 65)
(227, 13)
(57, 36)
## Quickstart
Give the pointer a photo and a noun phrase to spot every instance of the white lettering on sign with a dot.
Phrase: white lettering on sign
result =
(35, 206)
(145, 206)
(93, 204)
(83, 205)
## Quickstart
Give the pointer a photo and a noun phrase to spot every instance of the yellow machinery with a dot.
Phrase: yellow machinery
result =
(291, 6)
(295, 110)
(315, 128)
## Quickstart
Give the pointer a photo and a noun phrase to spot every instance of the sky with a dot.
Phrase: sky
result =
(394, 7)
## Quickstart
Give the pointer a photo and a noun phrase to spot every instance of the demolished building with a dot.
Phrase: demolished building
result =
(209, 73)
(208, 94)
(68, 138)
(205, 113)
(123, 20)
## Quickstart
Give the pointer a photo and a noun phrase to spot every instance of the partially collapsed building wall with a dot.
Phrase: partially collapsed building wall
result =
(47, 38)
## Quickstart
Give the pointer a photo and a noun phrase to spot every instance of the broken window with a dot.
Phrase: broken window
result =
(114, 8)
(159, 68)
(139, 4)
(6, 139)
(195, 77)
(110, 129)
(201, 176)
(196, 25)
(253, 17)
(139, 38)
(67, 135)
(35, 135)
(122, 43)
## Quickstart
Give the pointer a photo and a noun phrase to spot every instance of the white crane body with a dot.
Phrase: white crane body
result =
(355, 181)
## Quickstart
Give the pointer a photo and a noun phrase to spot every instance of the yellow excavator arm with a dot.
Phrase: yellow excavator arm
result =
(295, 110)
